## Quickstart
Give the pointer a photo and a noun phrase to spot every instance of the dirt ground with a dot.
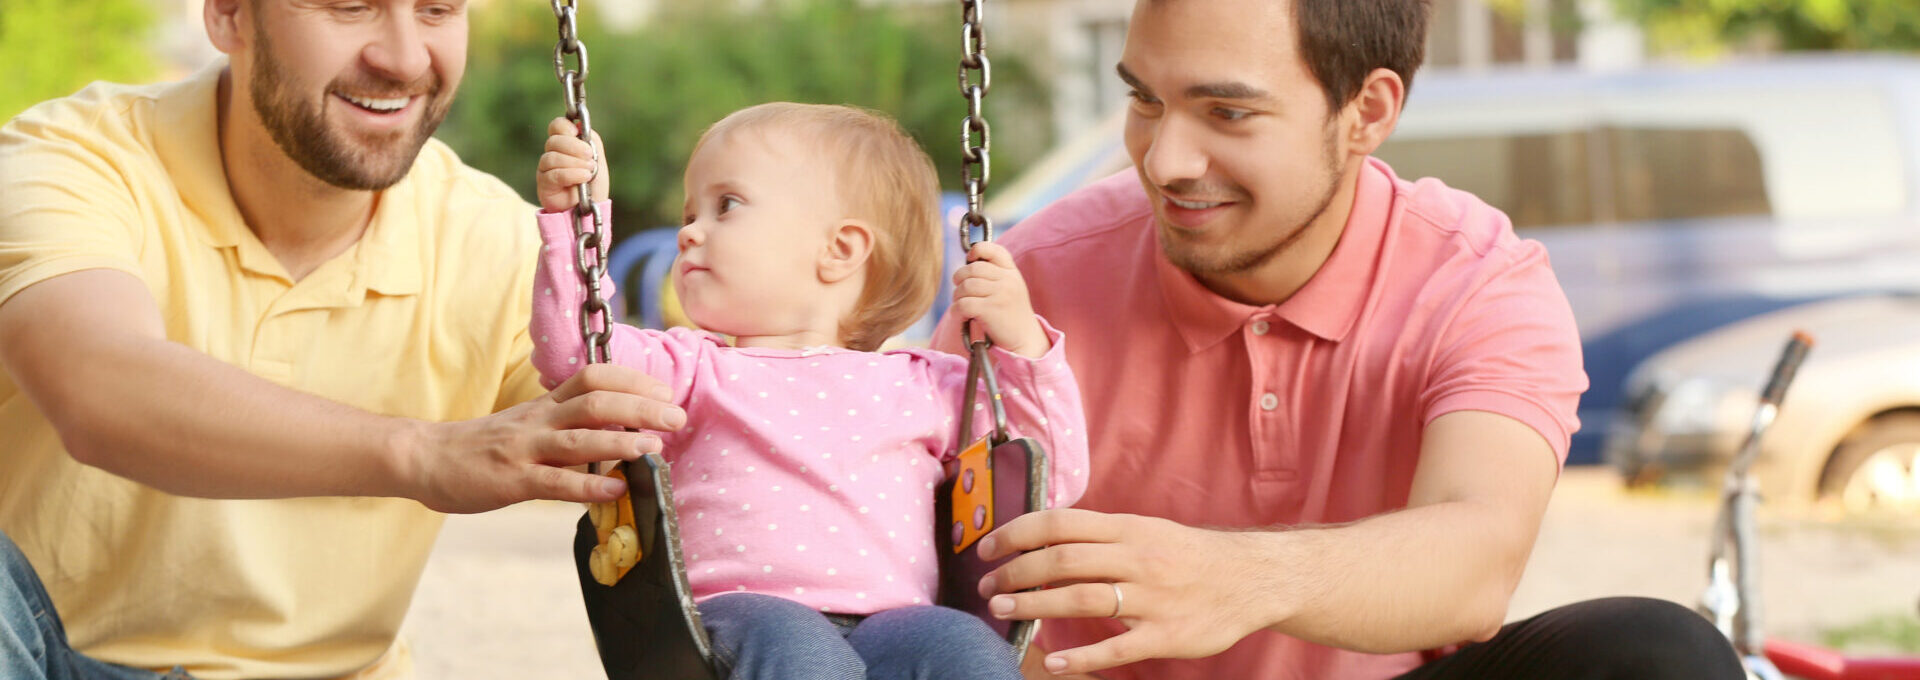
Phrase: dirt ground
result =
(499, 600)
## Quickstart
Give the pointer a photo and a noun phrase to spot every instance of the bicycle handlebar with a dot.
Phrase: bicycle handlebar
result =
(1790, 359)
(1731, 599)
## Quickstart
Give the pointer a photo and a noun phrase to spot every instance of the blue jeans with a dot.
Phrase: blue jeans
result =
(761, 637)
(33, 644)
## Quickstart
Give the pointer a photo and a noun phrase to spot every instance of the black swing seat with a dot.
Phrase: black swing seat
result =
(646, 626)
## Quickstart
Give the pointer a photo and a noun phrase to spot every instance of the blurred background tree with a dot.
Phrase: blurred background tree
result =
(652, 89)
(53, 47)
(1709, 26)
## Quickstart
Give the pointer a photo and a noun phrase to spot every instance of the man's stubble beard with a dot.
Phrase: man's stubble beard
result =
(300, 128)
(1232, 263)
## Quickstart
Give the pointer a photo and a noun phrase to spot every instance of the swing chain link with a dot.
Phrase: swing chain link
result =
(975, 164)
(589, 225)
(975, 158)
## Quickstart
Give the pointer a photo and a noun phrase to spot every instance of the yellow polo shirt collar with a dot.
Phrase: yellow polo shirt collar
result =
(385, 261)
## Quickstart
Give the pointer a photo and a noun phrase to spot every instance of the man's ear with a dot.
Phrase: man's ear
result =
(846, 252)
(225, 19)
(1374, 112)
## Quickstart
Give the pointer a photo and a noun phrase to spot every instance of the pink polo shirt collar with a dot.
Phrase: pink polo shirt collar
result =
(1327, 306)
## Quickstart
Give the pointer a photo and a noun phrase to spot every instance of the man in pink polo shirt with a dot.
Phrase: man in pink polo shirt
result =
(1332, 402)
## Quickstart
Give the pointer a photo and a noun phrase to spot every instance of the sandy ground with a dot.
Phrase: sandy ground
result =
(499, 600)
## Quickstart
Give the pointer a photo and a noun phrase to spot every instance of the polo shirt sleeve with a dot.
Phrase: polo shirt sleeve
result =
(1513, 349)
(66, 202)
(522, 380)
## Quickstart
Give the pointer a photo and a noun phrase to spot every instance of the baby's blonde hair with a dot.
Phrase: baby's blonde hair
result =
(883, 177)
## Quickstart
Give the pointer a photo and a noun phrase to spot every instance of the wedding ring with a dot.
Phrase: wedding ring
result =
(1116, 601)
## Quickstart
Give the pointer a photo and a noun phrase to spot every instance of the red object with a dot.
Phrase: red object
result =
(1817, 663)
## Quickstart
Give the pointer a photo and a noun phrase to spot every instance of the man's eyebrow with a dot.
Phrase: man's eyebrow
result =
(1225, 90)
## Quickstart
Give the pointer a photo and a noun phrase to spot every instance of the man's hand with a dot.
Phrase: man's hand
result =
(1184, 591)
(568, 163)
(1033, 668)
(990, 291)
(1473, 511)
(523, 453)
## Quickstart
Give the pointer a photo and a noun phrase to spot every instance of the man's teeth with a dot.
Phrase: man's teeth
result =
(381, 105)
(1194, 205)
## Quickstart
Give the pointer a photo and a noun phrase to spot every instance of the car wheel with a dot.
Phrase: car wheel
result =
(1877, 467)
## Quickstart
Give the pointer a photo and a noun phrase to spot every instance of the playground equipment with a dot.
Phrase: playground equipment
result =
(631, 568)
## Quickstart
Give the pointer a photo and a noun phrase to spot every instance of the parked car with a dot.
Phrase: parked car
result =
(1672, 200)
(1847, 435)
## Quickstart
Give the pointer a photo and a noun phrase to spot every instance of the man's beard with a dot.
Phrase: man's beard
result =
(300, 128)
(1201, 263)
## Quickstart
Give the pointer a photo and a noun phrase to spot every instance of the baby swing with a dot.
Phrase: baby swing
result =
(628, 557)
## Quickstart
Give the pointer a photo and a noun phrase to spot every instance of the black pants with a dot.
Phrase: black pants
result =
(1609, 639)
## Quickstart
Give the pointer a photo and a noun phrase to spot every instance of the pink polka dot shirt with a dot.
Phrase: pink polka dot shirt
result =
(810, 474)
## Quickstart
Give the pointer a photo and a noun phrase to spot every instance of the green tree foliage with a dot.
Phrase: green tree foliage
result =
(1883, 634)
(50, 48)
(652, 91)
(1705, 26)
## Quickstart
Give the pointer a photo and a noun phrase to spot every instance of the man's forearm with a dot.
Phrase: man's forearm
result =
(87, 348)
(167, 416)
(1440, 571)
(1409, 580)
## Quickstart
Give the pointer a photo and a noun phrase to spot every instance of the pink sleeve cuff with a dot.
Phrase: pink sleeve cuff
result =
(557, 227)
(1518, 407)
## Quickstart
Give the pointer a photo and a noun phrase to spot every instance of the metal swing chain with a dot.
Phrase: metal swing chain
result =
(975, 159)
(589, 226)
(975, 171)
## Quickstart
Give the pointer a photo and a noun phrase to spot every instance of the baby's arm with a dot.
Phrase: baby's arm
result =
(558, 297)
(559, 351)
(1042, 401)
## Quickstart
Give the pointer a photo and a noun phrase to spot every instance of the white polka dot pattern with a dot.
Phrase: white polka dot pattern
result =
(792, 458)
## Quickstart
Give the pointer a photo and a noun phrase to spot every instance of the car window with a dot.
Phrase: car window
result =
(1539, 179)
(1804, 155)
(1609, 174)
(1676, 173)
(1828, 151)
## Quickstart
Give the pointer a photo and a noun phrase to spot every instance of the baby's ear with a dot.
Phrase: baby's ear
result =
(846, 251)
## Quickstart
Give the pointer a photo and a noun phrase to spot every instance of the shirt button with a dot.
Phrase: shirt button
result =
(1260, 328)
(1269, 402)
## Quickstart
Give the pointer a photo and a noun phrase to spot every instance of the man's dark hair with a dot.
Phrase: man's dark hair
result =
(1344, 40)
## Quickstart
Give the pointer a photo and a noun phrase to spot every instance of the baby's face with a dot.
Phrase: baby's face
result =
(760, 207)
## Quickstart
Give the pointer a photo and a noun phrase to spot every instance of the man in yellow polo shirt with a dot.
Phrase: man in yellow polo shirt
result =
(253, 325)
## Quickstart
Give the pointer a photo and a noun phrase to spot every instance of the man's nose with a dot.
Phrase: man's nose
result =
(1174, 153)
(399, 52)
